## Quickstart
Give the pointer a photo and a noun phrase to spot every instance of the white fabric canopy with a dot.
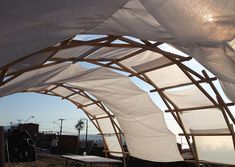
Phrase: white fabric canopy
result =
(201, 28)
(73, 52)
(80, 99)
(204, 119)
(142, 123)
(207, 27)
(111, 52)
(95, 111)
(94, 52)
(110, 137)
(63, 92)
(188, 97)
(220, 59)
(33, 79)
(168, 76)
(35, 60)
(34, 25)
(142, 58)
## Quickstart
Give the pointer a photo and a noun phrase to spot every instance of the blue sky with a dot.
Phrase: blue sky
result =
(46, 109)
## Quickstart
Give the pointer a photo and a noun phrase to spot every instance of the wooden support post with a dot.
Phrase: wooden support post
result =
(222, 106)
(196, 153)
(104, 141)
(2, 148)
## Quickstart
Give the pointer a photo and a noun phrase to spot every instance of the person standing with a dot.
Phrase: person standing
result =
(54, 145)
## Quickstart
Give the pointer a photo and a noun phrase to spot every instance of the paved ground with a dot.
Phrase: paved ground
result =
(47, 160)
(43, 161)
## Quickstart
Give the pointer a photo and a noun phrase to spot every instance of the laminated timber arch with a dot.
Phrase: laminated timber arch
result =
(95, 111)
(124, 54)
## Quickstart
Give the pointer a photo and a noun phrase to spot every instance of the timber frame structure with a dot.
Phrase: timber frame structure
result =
(196, 79)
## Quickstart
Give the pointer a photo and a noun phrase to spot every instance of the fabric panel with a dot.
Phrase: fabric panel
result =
(204, 119)
(120, 95)
(188, 97)
(168, 76)
(215, 149)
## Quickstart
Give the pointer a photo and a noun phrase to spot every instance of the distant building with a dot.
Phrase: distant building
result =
(32, 128)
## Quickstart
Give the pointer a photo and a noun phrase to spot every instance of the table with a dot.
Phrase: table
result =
(90, 160)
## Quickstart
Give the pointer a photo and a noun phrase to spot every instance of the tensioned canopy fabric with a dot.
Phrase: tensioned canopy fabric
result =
(201, 28)
(141, 121)
(38, 39)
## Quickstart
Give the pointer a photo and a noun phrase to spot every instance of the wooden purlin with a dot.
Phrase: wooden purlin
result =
(186, 72)
(108, 134)
(201, 107)
(67, 97)
(206, 134)
(49, 90)
(103, 117)
(97, 42)
(184, 84)
(162, 66)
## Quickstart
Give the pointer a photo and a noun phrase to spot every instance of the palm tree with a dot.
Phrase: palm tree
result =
(79, 126)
